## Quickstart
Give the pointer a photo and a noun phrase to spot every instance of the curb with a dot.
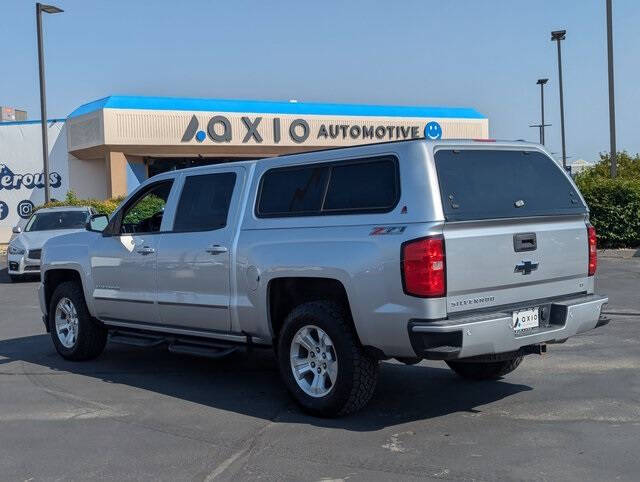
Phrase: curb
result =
(621, 313)
(623, 253)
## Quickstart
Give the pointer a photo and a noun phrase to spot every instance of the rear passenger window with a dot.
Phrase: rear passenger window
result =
(204, 202)
(346, 187)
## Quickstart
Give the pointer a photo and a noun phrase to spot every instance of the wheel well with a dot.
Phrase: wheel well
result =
(284, 294)
(54, 277)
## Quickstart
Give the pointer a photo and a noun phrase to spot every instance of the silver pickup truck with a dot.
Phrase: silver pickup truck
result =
(476, 253)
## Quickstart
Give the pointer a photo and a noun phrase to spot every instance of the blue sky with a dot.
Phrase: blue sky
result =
(483, 54)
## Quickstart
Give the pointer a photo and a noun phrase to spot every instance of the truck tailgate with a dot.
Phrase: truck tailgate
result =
(484, 269)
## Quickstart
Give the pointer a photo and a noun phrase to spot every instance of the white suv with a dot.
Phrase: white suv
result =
(23, 253)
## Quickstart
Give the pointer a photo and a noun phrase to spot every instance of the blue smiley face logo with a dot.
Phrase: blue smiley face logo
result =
(433, 131)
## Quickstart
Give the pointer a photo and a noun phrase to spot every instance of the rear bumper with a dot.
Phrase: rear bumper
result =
(491, 333)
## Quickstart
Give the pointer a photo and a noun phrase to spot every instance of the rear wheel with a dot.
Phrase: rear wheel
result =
(75, 333)
(321, 362)
(484, 370)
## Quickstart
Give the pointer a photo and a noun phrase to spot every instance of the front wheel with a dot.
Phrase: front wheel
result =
(75, 333)
(321, 362)
(484, 370)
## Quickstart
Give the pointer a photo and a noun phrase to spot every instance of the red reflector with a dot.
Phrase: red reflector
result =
(484, 140)
(593, 250)
(423, 267)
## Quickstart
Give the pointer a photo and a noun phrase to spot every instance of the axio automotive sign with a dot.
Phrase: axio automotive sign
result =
(220, 129)
(21, 178)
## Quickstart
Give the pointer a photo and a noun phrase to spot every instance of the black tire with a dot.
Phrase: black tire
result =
(357, 373)
(91, 334)
(484, 370)
(15, 278)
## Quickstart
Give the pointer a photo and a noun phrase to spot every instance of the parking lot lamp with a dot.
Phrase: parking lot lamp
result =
(558, 36)
(43, 98)
(542, 125)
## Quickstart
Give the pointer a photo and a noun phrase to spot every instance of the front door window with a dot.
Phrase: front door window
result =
(145, 214)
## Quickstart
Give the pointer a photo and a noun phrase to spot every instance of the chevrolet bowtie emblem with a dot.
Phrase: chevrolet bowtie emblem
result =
(526, 267)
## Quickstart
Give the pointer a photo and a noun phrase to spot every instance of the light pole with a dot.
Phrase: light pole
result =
(43, 97)
(612, 106)
(542, 125)
(541, 83)
(558, 36)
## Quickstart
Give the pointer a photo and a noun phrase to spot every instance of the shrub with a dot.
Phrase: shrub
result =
(614, 203)
(103, 207)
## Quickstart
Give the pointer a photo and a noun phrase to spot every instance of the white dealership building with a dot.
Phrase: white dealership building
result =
(106, 148)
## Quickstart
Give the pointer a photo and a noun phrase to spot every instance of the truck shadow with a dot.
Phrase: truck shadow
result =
(249, 384)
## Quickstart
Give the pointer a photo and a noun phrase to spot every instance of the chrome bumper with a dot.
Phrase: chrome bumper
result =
(492, 333)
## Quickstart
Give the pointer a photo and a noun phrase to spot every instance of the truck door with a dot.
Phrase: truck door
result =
(194, 257)
(123, 260)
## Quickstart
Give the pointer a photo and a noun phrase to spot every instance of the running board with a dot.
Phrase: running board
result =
(134, 339)
(202, 350)
(175, 344)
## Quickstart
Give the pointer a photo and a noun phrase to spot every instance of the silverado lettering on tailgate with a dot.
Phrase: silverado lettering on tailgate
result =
(473, 301)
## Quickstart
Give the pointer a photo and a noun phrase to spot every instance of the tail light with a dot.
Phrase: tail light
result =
(593, 250)
(423, 267)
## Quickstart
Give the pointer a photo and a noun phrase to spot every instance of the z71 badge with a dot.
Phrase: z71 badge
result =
(380, 230)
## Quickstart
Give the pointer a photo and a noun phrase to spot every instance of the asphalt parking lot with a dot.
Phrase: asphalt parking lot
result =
(144, 414)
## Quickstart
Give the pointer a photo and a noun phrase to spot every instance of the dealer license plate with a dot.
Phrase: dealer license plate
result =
(525, 319)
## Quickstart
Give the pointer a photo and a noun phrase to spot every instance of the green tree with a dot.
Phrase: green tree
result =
(628, 167)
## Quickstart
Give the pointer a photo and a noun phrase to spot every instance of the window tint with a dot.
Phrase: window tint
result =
(333, 188)
(370, 185)
(484, 184)
(144, 215)
(298, 190)
(204, 202)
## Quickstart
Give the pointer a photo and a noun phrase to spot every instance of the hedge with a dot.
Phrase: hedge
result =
(103, 207)
(146, 208)
(614, 203)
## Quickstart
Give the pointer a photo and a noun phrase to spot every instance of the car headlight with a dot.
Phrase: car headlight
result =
(15, 250)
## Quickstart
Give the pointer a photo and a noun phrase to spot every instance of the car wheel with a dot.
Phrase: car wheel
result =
(322, 363)
(484, 370)
(15, 278)
(75, 333)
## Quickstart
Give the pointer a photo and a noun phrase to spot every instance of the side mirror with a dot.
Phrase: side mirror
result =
(17, 230)
(97, 222)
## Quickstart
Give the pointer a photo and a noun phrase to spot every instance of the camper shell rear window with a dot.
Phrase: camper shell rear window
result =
(480, 184)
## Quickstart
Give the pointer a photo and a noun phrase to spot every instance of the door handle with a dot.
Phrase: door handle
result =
(524, 242)
(216, 249)
(146, 250)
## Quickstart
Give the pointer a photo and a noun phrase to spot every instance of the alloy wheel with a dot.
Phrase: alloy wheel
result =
(314, 363)
(66, 319)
